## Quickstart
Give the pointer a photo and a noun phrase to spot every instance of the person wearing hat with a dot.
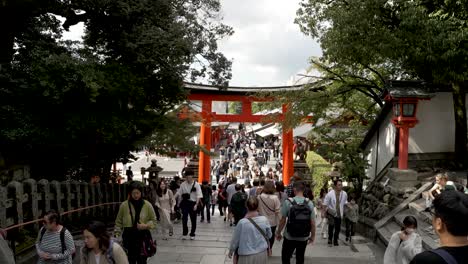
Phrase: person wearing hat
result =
(191, 194)
(135, 216)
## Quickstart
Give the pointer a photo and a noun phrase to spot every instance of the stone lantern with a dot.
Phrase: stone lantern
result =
(404, 96)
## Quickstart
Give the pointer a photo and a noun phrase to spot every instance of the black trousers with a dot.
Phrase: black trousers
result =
(187, 210)
(288, 248)
(132, 243)
(272, 238)
(349, 228)
(334, 228)
(202, 211)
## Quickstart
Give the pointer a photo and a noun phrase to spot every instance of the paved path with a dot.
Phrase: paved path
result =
(212, 241)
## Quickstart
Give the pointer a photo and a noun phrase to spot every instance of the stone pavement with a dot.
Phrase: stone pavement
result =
(212, 242)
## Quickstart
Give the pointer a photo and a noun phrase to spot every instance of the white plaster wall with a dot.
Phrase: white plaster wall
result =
(371, 154)
(386, 148)
(435, 131)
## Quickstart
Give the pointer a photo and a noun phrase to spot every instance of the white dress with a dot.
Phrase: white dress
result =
(165, 205)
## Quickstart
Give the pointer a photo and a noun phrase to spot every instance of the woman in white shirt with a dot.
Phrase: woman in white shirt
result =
(269, 206)
(404, 244)
(165, 204)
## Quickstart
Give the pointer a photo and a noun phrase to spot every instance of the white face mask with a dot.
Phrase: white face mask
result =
(409, 231)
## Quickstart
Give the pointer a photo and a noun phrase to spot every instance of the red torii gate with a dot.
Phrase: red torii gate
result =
(207, 94)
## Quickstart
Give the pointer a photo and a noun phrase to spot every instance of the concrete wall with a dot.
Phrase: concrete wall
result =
(435, 131)
(385, 148)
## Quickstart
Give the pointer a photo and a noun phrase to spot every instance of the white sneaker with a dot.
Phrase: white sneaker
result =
(184, 238)
(192, 238)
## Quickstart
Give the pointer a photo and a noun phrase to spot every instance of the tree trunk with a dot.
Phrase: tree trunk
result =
(461, 129)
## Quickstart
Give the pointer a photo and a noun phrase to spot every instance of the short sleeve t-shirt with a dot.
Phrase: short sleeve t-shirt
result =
(285, 211)
(428, 257)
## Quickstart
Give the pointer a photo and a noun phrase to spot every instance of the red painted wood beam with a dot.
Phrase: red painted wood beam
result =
(227, 97)
(247, 118)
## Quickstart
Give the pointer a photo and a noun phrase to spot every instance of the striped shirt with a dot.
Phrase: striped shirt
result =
(52, 245)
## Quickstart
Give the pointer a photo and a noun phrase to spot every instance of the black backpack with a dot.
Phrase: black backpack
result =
(299, 219)
(62, 240)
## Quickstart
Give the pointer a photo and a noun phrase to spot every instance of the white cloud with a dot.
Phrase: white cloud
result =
(267, 48)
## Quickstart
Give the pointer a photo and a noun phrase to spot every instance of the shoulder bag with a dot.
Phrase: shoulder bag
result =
(186, 196)
(263, 234)
(148, 245)
(260, 197)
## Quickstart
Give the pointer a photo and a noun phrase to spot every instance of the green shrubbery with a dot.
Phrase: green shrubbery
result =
(320, 169)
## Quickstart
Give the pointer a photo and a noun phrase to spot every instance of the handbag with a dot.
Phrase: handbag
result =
(148, 245)
(263, 234)
(186, 196)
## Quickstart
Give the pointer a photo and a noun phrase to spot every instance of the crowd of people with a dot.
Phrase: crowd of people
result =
(259, 208)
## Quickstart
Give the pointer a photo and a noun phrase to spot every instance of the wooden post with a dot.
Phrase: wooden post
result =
(287, 145)
(66, 187)
(17, 189)
(205, 141)
(44, 188)
(3, 206)
(30, 187)
(403, 148)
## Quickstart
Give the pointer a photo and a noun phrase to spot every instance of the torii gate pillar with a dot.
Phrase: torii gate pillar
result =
(204, 165)
(288, 161)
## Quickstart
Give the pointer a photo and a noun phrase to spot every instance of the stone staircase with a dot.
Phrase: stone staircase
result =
(414, 205)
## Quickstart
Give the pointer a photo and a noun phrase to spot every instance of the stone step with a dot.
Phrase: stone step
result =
(418, 205)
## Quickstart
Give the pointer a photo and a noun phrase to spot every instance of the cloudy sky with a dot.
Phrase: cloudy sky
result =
(267, 48)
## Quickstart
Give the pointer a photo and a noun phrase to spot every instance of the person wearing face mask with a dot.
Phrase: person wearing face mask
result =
(404, 244)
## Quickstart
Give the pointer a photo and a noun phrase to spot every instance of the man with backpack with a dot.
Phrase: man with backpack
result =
(299, 218)
(449, 217)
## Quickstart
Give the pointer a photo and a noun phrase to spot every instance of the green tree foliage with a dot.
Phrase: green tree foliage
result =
(79, 106)
(320, 169)
(408, 39)
(343, 102)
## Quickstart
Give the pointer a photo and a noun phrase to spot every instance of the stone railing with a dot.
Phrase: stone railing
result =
(25, 201)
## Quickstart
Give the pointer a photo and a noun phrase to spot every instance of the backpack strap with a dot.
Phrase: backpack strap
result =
(43, 230)
(110, 252)
(292, 201)
(448, 258)
(62, 239)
